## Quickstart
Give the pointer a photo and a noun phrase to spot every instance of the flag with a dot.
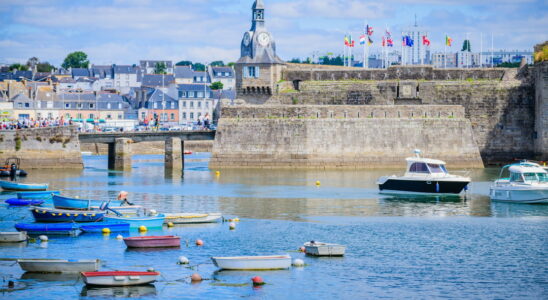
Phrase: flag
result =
(448, 40)
(425, 40)
(369, 41)
(410, 41)
(368, 30)
(346, 41)
(389, 42)
(388, 35)
(383, 41)
(362, 39)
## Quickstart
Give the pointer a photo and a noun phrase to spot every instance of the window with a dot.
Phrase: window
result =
(67, 105)
(435, 168)
(119, 116)
(184, 115)
(172, 116)
(143, 115)
(91, 116)
(200, 94)
(155, 105)
(184, 103)
(192, 116)
(80, 105)
(49, 104)
(172, 105)
(516, 177)
(38, 104)
(19, 105)
(108, 105)
(79, 116)
(27, 104)
(418, 168)
(191, 104)
(251, 72)
(207, 104)
(38, 115)
(91, 105)
(67, 116)
(109, 116)
(119, 105)
(199, 104)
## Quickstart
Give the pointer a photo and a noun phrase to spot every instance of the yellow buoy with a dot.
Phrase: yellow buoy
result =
(317, 182)
(236, 220)
(217, 173)
(142, 228)
(170, 224)
(106, 230)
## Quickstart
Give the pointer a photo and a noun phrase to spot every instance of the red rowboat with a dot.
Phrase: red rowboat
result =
(119, 278)
(153, 241)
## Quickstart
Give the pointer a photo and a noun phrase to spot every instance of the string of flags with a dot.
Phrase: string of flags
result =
(387, 41)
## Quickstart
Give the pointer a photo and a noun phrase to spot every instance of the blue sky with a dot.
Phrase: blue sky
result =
(125, 31)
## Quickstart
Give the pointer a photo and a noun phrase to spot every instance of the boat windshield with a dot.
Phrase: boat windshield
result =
(516, 177)
(436, 168)
(536, 177)
(418, 167)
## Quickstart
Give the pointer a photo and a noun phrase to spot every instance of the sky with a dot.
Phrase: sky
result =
(126, 31)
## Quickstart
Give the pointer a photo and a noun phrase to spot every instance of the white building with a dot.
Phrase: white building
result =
(225, 75)
(126, 77)
(195, 100)
(148, 66)
(444, 60)
(418, 54)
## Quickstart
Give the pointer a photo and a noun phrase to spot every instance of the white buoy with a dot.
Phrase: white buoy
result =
(119, 237)
(153, 212)
(43, 238)
(298, 262)
(151, 269)
(232, 225)
(183, 260)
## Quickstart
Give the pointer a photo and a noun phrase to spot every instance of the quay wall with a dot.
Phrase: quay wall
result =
(541, 110)
(341, 136)
(52, 147)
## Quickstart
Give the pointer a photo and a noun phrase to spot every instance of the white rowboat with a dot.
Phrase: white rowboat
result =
(13, 237)
(119, 278)
(272, 262)
(59, 265)
(323, 249)
(192, 218)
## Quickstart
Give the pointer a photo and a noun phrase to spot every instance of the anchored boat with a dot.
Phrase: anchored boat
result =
(153, 241)
(136, 222)
(16, 186)
(59, 265)
(76, 203)
(71, 229)
(272, 262)
(119, 278)
(192, 218)
(37, 194)
(23, 202)
(324, 249)
(13, 237)
(527, 183)
(99, 226)
(423, 176)
(44, 214)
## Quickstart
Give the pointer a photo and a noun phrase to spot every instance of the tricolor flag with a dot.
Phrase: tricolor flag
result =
(448, 40)
(389, 42)
(346, 41)
(362, 39)
(369, 41)
(425, 40)
(368, 30)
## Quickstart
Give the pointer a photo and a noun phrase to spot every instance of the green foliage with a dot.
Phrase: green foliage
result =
(44, 67)
(295, 60)
(160, 68)
(17, 143)
(230, 64)
(18, 67)
(333, 61)
(542, 54)
(76, 59)
(198, 67)
(217, 85)
(466, 46)
(217, 63)
(184, 63)
(295, 100)
(33, 61)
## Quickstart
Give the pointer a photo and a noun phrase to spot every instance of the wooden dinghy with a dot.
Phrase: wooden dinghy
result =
(272, 262)
(119, 278)
(59, 265)
(192, 218)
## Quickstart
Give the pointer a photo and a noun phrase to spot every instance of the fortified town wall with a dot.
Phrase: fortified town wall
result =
(342, 136)
(541, 110)
(51, 147)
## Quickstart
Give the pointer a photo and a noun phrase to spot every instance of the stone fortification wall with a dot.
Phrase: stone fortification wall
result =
(259, 136)
(53, 147)
(541, 110)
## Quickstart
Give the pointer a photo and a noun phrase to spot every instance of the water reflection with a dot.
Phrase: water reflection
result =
(51, 276)
(119, 291)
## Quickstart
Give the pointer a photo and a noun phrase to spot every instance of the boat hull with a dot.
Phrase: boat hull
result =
(58, 265)
(422, 186)
(253, 262)
(530, 196)
(136, 222)
(323, 249)
(99, 226)
(37, 194)
(189, 218)
(56, 215)
(153, 241)
(83, 204)
(119, 278)
(49, 228)
(23, 202)
(14, 186)
(13, 237)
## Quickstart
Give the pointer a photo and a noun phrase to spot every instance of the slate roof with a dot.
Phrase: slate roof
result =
(159, 97)
(152, 63)
(125, 69)
(154, 80)
(218, 70)
(6, 76)
(224, 94)
(25, 74)
(80, 72)
(184, 72)
(101, 71)
(193, 87)
(201, 74)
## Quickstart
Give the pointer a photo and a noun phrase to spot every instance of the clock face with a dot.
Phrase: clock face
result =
(247, 39)
(263, 38)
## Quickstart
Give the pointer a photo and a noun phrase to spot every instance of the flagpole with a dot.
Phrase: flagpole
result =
(364, 45)
(344, 55)
(445, 53)
(481, 50)
(492, 66)
(402, 55)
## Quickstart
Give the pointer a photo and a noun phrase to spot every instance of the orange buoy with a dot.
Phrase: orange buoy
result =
(302, 249)
(199, 242)
(195, 277)
(257, 280)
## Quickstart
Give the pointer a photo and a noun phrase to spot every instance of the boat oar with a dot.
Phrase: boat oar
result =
(104, 206)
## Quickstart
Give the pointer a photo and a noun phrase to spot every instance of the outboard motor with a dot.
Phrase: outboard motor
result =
(13, 171)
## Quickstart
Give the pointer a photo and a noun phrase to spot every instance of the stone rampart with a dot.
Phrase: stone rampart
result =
(541, 110)
(295, 137)
(52, 147)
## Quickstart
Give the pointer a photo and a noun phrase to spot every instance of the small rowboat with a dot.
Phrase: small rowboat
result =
(272, 262)
(99, 226)
(23, 202)
(119, 278)
(82, 204)
(190, 218)
(153, 241)
(323, 249)
(136, 222)
(37, 194)
(15, 186)
(49, 228)
(44, 214)
(13, 237)
(59, 265)
(187, 152)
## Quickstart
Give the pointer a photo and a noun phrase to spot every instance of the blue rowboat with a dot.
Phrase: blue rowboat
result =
(136, 222)
(15, 186)
(75, 203)
(57, 229)
(23, 202)
(52, 215)
(99, 226)
(37, 195)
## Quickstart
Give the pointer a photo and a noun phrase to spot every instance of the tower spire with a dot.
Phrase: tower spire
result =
(415, 19)
(258, 15)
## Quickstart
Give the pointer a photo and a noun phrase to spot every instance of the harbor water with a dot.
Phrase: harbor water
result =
(397, 247)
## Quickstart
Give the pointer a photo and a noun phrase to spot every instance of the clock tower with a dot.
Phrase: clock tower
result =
(259, 68)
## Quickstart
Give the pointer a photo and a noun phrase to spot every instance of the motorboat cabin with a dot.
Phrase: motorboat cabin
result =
(423, 175)
(527, 183)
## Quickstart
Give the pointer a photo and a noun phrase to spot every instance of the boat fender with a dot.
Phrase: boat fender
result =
(232, 225)
(183, 260)
(106, 230)
(170, 224)
(298, 262)
(119, 237)
(302, 249)
(437, 187)
(43, 238)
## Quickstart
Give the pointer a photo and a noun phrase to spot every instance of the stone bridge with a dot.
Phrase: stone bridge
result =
(119, 145)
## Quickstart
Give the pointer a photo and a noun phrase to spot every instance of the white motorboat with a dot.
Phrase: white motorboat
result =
(527, 183)
(119, 278)
(13, 237)
(192, 218)
(323, 249)
(423, 176)
(59, 265)
(272, 262)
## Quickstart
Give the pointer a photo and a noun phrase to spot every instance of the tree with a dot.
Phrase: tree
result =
(217, 63)
(18, 67)
(184, 63)
(160, 68)
(466, 46)
(230, 64)
(44, 67)
(198, 67)
(295, 60)
(33, 61)
(76, 59)
(217, 85)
